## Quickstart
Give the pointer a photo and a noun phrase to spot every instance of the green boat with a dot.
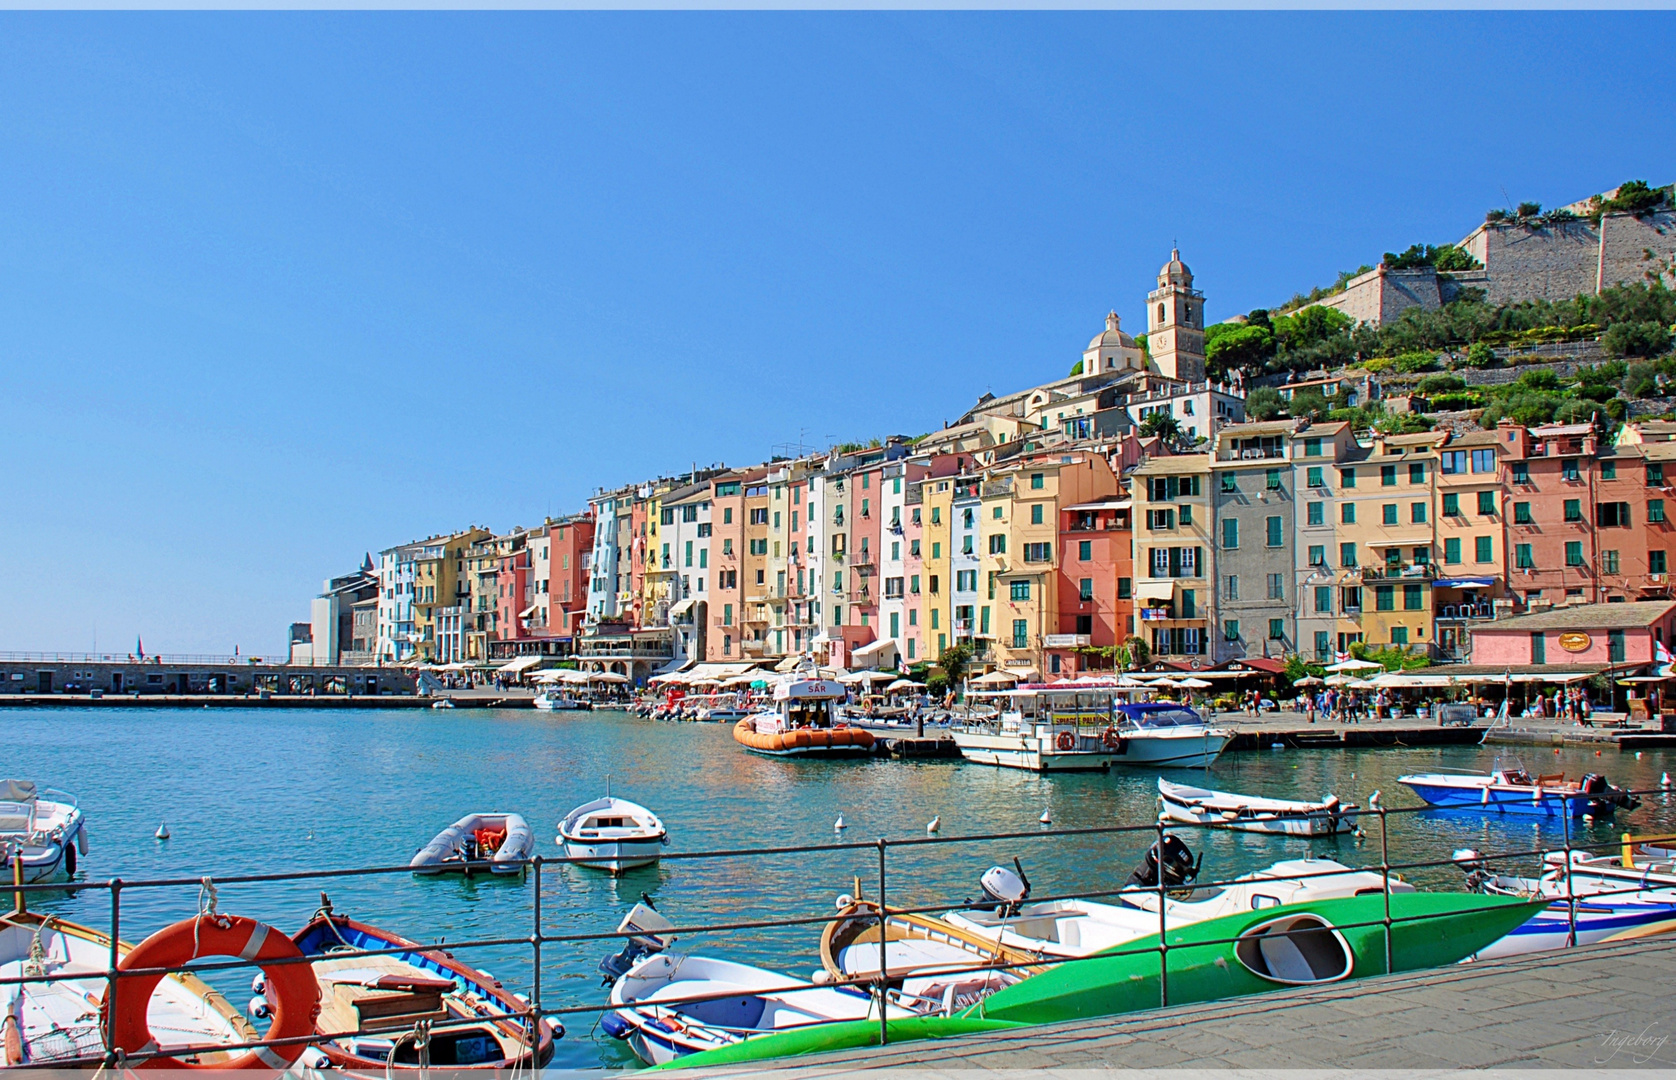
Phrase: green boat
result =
(1306, 944)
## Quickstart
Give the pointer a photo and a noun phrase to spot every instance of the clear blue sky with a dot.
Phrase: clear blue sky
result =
(276, 290)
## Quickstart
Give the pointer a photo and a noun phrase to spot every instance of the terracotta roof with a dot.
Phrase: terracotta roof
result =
(1475, 438)
(1628, 616)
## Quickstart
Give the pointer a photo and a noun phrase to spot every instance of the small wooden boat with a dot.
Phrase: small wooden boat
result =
(370, 1006)
(612, 834)
(1514, 791)
(502, 841)
(803, 724)
(45, 835)
(1253, 813)
(931, 966)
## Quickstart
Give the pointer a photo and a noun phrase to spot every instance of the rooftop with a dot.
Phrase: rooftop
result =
(1629, 616)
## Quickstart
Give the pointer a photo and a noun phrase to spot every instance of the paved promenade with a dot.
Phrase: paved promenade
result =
(1607, 1007)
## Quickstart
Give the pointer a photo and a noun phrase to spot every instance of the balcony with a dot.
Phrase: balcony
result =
(992, 488)
(1463, 612)
(963, 627)
(1399, 572)
(1066, 641)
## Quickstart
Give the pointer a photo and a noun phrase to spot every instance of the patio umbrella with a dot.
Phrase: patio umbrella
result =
(608, 677)
(1308, 680)
(1354, 665)
(1343, 680)
(900, 685)
(1194, 684)
(996, 678)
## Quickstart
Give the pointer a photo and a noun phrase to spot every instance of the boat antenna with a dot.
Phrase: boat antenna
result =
(607, 785)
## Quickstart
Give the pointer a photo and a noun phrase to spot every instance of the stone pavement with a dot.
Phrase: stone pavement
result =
(1599, 1007)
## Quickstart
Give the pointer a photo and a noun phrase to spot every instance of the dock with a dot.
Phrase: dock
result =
(1594, 1007)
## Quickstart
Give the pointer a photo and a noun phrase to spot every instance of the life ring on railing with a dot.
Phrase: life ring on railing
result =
(1065, 741)
(291, 988)
(1112, 740)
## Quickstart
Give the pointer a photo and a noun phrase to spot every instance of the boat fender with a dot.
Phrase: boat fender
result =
(70, 859)
(615, 1026)
(296, 994)
(258, 1008)
(1065, 741)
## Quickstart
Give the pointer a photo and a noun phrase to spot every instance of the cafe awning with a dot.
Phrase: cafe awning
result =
(1463, 583)
(523, 663)
(1164, 589)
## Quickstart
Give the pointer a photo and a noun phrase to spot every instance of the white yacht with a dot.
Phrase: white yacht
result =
(613, 834)
(48, 833)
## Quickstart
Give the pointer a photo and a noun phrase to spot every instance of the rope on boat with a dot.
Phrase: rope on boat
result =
(207, 899)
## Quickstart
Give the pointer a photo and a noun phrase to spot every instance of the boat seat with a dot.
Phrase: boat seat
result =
(1285, 960)
(1550, 779)
(1070, 933)
(16, 817)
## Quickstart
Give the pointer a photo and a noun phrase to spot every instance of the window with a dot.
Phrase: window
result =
(1230, 629)
(727, 614)
(1452, 462)
(1317, 513)
(1522, 557)
(1188, 610)
(913, 549)
(1347, 555)
(997, 544)
(1318, 555)
(1272, 482)
(1655, 562)
(1417, 472)
(1609, 562)
(913, 584)
(1655, 511)
(1484, 461)
(1451, 505)
(996, 513)
(1021, 634)
(1274, 539)
(1125, 588)
(1483, 549)
(936, 515)
(1312, 477)
(1521, 472)
(1323, 599)
(1312, 448)
(759, 515)
(1615, 646)
(727, 515)
(1399, 635)
(1569, 470)
(1609, 470)
(667, 516)
(1522, 514)
(1613, 515)
(1387, 476)
(1384, 598)
(937, 547)
(703, 530)
(934, 585)
(1323, 645)
(1230, 533)
(1277, 629)
(966, 580)
(1347, 513)
(1388, 514)
(1018, 590)
(1352, 598)
(1085, 588)
(1038, 552)
(1417, 513)
(1233, 586)
(1186, 514)
(1035, 513)
(1451, 550)
(1277, 586)
(1347, 478)
(1574, 553)
(727, 545)
(1539, 648)
(1486, 504)
(1412, 595)
(1036, 481)
(1655, 474)
(1230, 484)
(1573, 510)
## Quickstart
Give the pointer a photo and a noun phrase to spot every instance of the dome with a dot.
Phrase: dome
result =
(1175, 272)
(1112, 336)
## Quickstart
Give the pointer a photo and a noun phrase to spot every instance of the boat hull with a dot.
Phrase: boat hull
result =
(441, 855)
(615, 856)
(1494, 799)
(1171, 750)
(1221, 810)
(804, 742)
(1022, 751)
(1552, 928)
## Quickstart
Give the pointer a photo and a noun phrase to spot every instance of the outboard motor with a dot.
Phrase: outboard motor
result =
(1473, 864)
(1007, 889)
(1607, 798)
(648, 935)
(1178, 866)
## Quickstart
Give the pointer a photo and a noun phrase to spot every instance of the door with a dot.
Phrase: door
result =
(116, 682)
(43, 682)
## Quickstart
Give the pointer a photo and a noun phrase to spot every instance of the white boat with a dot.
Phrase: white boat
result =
(43, 1023)
(1072, 928)
(1596, 902)
(443, 704)
(1165, 735)
(612, 834)
(553, 700)
(1253, 813)
(48, 835)
(668, 1005)
(503, 841)
(1012, 741)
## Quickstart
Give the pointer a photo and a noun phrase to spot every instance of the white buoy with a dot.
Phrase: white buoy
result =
(1638, 755)
(1664, 781)
(163, 831)
(934, 824)
(838, 826)
(1047, 817)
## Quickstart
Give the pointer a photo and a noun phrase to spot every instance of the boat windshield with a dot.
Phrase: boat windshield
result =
(1166, 718)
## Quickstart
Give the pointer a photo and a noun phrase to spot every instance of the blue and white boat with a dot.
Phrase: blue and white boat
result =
(46, 835)
(1514, 791)
(1585, 910)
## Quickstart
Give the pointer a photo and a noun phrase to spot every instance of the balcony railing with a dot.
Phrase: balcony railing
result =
(1466, 611)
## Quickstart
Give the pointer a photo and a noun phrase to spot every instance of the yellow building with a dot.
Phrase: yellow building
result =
(1385, 534)
(935, 618)
(1471, 537)
(439, 584)
(1173, 554)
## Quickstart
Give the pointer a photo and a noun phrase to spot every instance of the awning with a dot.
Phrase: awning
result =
(1115, 504)
(523, 663)
(882, 651)
(1147, 589)
(788, 664)
(680, 608)
(1464, 583)
(531, 610)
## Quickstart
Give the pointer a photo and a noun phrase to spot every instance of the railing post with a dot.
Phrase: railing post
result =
(884, 1026)
(111, 974)
(1385, 878)
(1570, 895)
(1163, 923)
(535, 973)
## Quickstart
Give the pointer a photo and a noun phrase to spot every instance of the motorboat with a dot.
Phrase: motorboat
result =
(803, 722)
(1074, 928)
(1318, 943)
(498, 842)
(1590, 904)
(932, 967)
(612, 834)
(553, 699)
(56, 1022)
(444, 703)
(1013, 741)
(1254, 813)
(1163, 734)
(371, 1007)
(46, 835)
(667, 1005)
(1515, 791)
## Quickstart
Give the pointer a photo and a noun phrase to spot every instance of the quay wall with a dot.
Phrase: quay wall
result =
(48, 674)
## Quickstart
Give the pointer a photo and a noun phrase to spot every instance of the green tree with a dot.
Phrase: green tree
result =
(956, 661)
(1163, 424)
(1440, 384)
(1635, 197)
(1233, 347)
(1308, 403)
(1480, 356)
(1076, 369)
(1636, 339)
(1139, 653)
(1263, 403)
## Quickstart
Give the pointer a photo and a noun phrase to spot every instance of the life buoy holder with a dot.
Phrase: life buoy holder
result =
(291, 988)
(1065, 741)
(1112, 740)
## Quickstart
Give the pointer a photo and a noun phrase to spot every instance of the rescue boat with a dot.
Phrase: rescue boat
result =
(803, 722)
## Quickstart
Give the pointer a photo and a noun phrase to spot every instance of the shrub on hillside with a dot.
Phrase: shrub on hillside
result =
(1480, 356)
(1264, 403)
(1455, 402)
(1636, 339)
(1617, 409)
(1440, 384)
(1377, 364)
(1412, 362)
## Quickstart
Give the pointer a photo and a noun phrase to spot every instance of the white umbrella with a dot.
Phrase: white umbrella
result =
(1354, 665)
(1308, 680)
(1343, 680)
(607, 677)
(900, 685)
(996, 678)
(1194, 684)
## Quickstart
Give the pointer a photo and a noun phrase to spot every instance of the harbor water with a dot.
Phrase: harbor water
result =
(273, 791)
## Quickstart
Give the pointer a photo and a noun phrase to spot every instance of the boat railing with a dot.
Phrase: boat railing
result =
(541, 1002)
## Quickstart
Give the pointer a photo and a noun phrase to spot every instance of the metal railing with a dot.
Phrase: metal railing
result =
(539, 1008)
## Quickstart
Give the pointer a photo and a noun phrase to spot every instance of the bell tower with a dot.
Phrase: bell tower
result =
(1175, 319)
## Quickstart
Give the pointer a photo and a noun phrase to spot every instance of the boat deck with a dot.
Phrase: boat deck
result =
(1596, 1007)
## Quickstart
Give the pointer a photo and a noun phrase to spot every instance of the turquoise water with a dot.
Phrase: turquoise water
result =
(272, 790)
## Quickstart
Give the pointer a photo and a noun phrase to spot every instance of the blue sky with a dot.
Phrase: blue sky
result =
(276, 290)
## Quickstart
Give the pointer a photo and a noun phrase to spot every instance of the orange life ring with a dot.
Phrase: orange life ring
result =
(1065, 741)
(1112, 739)
(292, 988)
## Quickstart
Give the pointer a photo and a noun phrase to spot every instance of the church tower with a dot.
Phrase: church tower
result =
(1175, 317)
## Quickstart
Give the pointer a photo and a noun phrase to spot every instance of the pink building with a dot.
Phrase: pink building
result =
(1620, 635)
